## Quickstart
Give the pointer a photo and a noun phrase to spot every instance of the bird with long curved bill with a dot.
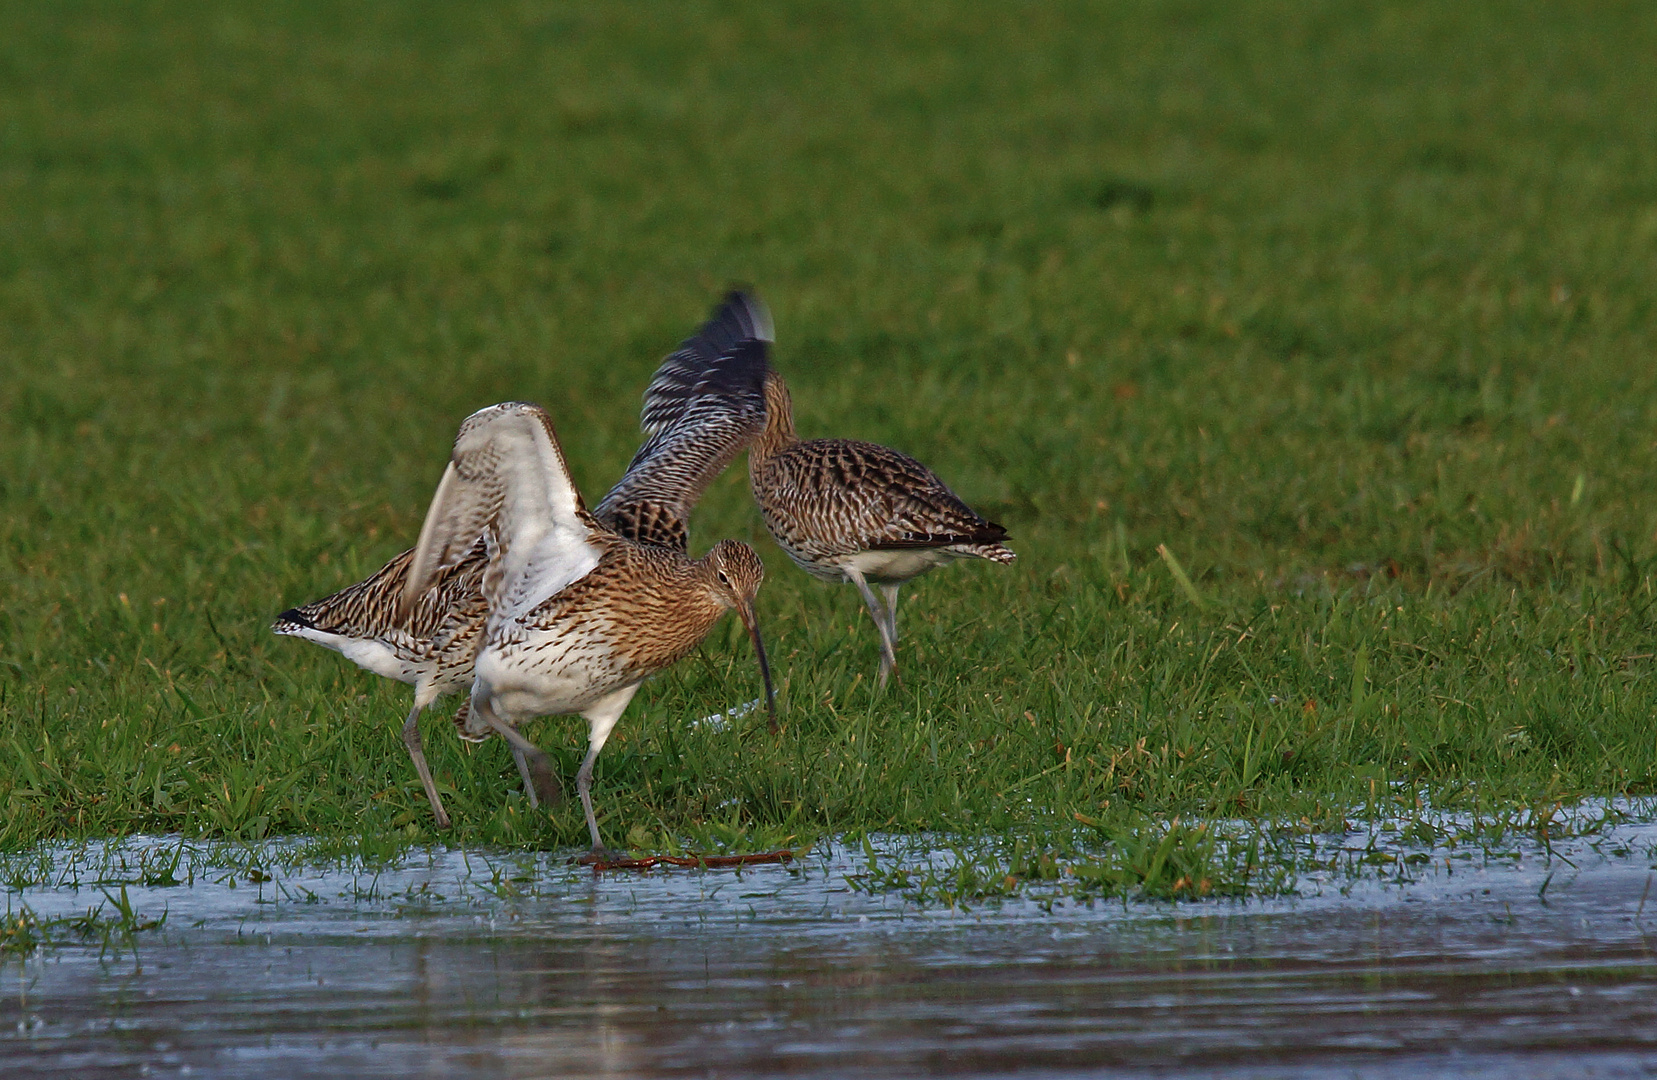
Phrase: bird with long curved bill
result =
(704, 406)
(579, 615)
(840, 509)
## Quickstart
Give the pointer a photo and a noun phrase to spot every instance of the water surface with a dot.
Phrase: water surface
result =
(457, 964)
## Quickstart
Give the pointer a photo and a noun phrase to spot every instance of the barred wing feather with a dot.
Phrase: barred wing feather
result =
(704, 406)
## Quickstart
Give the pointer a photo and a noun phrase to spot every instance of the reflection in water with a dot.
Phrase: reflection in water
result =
(435, 969)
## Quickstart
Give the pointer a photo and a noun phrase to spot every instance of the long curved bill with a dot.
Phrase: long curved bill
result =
(751, 621)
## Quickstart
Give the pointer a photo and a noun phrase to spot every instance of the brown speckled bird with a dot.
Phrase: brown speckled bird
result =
(854, 511)
(432, 649)
(704, 406)
(579, 616)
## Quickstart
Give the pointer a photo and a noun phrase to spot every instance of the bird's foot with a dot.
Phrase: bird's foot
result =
(442, 821)
(601, 854)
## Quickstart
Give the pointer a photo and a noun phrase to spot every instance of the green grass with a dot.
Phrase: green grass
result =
(1307, 351)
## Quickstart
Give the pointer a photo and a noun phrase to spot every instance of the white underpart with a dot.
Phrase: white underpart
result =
(538, 675)
(368, 655)
(899, 564)
(602, 716)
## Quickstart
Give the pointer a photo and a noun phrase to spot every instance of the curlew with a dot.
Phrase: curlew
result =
(705, 404)
(859, 512)
(579, 615)
(432, 649)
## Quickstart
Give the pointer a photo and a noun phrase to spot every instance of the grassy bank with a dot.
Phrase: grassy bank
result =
(1347, 311)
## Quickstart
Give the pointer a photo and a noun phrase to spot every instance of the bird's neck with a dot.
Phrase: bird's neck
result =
(779, 424)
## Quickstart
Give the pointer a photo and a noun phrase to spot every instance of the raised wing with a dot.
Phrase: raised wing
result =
(507, 481)
(705, 405)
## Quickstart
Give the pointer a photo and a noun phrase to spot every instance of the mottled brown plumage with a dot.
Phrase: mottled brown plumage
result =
(705, 404)
(642, 608)
(578, 616)
(432, 649)
(853, 511)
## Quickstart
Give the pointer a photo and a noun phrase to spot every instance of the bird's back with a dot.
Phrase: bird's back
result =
(645, 601)
(437, 639)
(825, 499)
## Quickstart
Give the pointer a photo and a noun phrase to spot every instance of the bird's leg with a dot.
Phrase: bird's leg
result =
(529, 779)
(411, 739)
(584, 787)
(877, 612)
(533, 762)
(889, 659)
(602, 716)
(890, 592)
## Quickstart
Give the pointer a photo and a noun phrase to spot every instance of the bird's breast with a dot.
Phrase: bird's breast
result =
(544, 673)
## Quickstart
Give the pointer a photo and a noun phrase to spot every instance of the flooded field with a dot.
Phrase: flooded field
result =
(1532, 960)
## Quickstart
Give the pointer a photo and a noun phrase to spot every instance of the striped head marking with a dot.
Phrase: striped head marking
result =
(736, 573)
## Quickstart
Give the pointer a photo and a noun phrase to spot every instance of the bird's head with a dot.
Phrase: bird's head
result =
(735, 572)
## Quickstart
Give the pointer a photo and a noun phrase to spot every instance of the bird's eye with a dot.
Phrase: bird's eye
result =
(723, 579)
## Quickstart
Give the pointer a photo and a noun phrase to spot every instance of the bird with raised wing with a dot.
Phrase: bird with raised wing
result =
(578, 616)
(704, 406)
(859, 512)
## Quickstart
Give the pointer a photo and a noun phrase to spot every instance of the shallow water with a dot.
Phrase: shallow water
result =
(467, 966)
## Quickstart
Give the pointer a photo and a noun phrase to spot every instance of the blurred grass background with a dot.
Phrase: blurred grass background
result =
(1349, 306)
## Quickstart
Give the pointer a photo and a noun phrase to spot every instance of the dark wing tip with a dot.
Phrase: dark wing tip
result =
(740, 318)
(750, 313)
(987, 532)
(937, 540)
(726, 360)
(293, 617)
(704, 404)
(739, 370)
